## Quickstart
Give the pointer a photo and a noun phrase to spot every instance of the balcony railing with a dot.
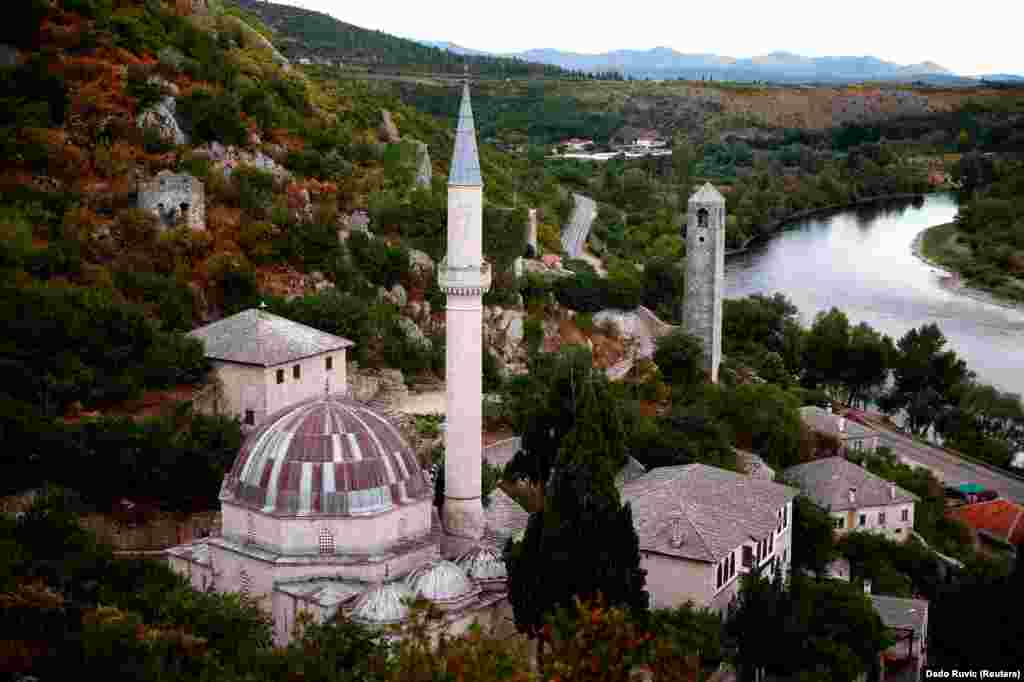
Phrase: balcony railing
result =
(463, 277)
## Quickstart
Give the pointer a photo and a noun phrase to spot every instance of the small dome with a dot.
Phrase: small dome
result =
(483, 564)
(441, 582)
(383, 604)
(328, 456)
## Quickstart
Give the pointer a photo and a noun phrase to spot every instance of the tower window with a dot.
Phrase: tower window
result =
(701, 239)
(296, 372)
(702, 218)
(325, 541)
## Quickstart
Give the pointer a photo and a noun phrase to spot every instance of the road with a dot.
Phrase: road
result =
(575, 233)
(950, 469)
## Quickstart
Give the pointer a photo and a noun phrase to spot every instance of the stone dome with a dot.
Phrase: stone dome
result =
(382, 604)
(329, 456)
(442, 582)
(483, 564)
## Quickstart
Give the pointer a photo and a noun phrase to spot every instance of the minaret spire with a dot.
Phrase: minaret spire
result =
(465, 168)
(463, 276)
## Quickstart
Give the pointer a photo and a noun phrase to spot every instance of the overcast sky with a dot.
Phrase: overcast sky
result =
(981, 36)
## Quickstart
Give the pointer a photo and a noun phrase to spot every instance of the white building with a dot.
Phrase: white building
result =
(265, 362)
(852, 437)
(855, 498)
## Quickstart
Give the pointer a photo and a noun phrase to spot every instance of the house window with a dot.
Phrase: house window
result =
(326, 541)
(881, 518)
(280, 376)
(719, 581)
(329, 363)
(863, 519)
(296, 372)
(250, 417)
(838, 523)
(905, 515)
(748, 557)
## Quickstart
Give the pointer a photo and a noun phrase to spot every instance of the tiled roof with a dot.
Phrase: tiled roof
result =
(701, 512)
(329, 455)
(707, 194)
(465, 167)
(256, 337)
(827, 482)
(826, 422)
(898, 612)
(504, 518)
(1000, 518)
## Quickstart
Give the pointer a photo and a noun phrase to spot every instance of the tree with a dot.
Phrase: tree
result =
(683, 158)
(869, 357)
(826, 350)
(680, 357)
(813, 527)
(925, 377)
(583, 523)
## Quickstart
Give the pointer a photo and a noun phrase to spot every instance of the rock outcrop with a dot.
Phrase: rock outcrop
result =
(163, 116)
(424, 170)
(503, 333)
(388, 129)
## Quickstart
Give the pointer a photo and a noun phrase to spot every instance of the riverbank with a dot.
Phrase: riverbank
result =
(781, 225)
(936, 246)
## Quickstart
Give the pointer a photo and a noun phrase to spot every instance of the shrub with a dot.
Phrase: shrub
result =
(209, 117)
(585, 322)
(533, 334)
(382, 264)
(255, 188)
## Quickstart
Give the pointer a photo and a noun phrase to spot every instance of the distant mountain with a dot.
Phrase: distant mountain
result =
(452, 47)
(1002, 78)
(664, 62)
(302, 33)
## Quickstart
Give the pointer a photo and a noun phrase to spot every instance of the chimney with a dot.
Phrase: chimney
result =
(842, 424)
(867, 586)
(677, 533)
(853, 495)
(828, 408)
(892, 491)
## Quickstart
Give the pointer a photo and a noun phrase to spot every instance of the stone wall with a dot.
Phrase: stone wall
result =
(705, 280)
(175, 198)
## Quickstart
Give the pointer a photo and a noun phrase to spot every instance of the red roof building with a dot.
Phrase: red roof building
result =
(999, 520)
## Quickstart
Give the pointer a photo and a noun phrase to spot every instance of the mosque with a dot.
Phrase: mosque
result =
(326, 510)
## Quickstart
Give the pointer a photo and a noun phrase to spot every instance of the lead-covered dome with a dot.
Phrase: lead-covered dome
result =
(484, 565)
(382, 604)
(328, 456)
(442, 582)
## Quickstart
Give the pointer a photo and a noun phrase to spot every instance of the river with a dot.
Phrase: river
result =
(861, 261)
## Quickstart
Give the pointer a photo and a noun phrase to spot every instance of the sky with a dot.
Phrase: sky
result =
(969, 38)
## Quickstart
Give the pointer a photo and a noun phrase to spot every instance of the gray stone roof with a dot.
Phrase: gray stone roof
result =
(631, 471)
(827, 482)
(504, 518)
(899, 612)
(256, 337)
(465, 168)
(702, 513)
(824, 421)
(707, 194)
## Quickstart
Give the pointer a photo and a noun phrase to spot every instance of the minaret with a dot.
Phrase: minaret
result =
(705, 273)
(464, 278)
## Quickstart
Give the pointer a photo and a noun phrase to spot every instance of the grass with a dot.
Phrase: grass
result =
(944, 246)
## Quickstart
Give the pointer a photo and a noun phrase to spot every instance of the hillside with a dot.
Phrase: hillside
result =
(302, 33)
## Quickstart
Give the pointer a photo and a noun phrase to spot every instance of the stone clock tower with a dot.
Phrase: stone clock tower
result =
(705, 273)
(464, 277)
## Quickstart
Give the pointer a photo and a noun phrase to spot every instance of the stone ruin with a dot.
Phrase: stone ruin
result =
(174, 199)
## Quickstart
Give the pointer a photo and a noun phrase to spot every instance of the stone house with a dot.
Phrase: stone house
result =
(700, 528)
(854, 497)
(265, 362)
(174, 198)
(852, 437)
(907, 623)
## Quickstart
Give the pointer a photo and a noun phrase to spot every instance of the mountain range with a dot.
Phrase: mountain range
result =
(664, 62)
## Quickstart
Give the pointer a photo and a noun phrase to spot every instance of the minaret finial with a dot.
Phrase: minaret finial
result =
(263, 305)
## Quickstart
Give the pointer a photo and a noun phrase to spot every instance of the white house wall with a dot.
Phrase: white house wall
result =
(895, 527)
(242, 389)
(313, 377)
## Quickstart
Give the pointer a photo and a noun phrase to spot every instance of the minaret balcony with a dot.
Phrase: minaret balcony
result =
(465, 280)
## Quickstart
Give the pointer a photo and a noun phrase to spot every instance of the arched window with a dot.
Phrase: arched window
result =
(244, 582)
(702, 218)
(326, 542)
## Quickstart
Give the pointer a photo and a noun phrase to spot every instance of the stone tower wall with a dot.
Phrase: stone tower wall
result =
(175, 197)
(705, 280)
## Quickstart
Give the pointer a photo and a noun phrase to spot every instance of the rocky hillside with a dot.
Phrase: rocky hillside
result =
(164, 164)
